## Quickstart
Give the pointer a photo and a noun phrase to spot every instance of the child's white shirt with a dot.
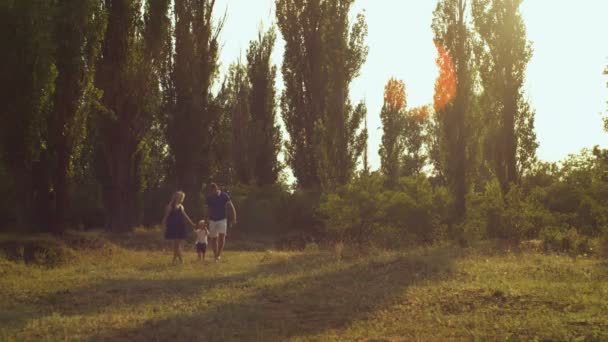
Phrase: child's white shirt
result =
(201, 235)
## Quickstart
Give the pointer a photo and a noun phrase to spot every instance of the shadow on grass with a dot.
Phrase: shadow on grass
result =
(115, 293)
(153, 240)
(308, 306)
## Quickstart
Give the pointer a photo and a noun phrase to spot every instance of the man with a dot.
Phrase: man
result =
(218, 203)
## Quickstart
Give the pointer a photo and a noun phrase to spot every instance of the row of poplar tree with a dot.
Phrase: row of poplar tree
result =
(122, 91)
(480, 126)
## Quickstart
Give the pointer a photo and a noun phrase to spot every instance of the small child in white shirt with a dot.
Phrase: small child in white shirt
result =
(201, 239)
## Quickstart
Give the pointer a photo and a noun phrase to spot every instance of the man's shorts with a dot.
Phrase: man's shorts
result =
(201, 247)
(217, 227)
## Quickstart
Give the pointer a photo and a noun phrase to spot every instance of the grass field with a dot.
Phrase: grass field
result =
(115, 293)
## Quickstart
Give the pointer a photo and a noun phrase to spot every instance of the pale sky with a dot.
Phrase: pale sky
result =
(564, 79)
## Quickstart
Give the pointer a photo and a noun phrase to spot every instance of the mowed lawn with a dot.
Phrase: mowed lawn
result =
(428, 294)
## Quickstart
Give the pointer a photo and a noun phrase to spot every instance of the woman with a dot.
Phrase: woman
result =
(175, 221)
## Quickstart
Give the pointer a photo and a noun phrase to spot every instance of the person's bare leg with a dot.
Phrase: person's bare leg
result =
(175, 250)
(179, 251)
(221, 242)
(213, 242)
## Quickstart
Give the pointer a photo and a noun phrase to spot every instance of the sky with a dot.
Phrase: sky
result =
(564, 80)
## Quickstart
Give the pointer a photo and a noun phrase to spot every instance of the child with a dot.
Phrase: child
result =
(201, 239)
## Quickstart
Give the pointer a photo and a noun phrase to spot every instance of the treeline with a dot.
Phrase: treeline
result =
(465, 166)
(110, 105)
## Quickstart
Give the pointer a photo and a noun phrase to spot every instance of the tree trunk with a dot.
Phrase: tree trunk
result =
(120, 186)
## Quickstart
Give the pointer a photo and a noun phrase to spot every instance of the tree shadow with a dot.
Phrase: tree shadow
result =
(303, 307)
(114, 293)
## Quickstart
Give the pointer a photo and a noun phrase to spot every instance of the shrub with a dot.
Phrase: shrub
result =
(484, 215)
(260, 209)
(518, 215)
(493, 208)
(364, 211)
(354, 212)
(300, 211)
(565, 239)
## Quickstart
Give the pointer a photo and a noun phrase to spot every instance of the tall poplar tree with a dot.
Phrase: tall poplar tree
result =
(193, 114)
(78, 32)
(503, 53)
(393, 121)
(266, 134)
(414, 137)
(26, 93)
(454, 97)
(128, 73)
(323, 54)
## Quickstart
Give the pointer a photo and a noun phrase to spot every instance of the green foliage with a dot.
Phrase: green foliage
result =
(502, 52)
(453, 37)
(415, 137)
(512, 216)
(356, 210)
(129, 75)
(78, 33)
(393, 126)
(237, 125)
(28, 75)
(363, 211)
(567, 239)
(266, 139)
(248, 135)
(302, 211)
(261, 210)
(323, 54)
(192, 115)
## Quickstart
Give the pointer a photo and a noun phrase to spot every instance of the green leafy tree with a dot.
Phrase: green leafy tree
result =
(414, 137)
(365, 160)
(503, 53)
(193, 113)
(393, 122)
(242, 128)
(78, 31)
(454, 101)
(323, 54)
(28, 79)
(128, 73)
(266, 133)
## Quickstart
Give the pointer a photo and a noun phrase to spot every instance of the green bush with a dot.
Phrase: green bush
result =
(260, 209)
(417, 209)
(491, 214)
(565, 239)
(354, 212)
(484, 215)
(518, 215)
(364, 211)
(301, 212)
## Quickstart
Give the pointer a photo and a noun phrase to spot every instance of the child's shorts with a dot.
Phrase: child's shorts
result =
(201, 247)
